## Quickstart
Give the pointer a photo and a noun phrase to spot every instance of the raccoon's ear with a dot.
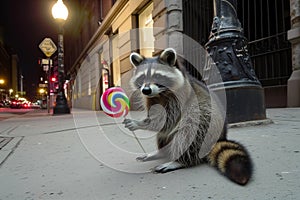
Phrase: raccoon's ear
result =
(136, 59)
(168, 56)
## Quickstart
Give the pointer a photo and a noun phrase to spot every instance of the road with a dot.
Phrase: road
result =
(6, 113)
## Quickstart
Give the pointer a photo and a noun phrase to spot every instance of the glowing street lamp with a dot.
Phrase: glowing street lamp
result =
(2, 81)
(60, 13)
(42, 91)
(10, 92)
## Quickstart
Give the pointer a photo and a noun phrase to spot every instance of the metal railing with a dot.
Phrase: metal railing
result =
(271, 57)
(265, 24)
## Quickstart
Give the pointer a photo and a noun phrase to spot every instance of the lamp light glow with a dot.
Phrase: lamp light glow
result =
(59, 10)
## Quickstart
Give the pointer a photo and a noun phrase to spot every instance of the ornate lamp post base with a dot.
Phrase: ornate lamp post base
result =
(227, 48)
(61, 106)
(245, 100)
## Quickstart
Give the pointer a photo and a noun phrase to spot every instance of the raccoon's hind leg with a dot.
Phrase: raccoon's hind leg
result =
(167, 167)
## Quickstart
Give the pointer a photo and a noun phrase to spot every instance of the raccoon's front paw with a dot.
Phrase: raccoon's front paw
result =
(131, 124)
(142, 158)
(167, 167)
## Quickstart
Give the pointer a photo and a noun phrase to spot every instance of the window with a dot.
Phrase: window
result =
(146, 31)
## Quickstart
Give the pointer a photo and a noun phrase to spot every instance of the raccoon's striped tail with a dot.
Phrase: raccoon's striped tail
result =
(232, 160)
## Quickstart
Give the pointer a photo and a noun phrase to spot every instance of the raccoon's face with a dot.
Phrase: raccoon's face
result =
(155, 75)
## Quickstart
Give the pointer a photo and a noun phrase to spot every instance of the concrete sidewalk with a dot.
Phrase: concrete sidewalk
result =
(86, 155)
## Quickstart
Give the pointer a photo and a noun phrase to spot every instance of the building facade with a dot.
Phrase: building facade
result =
(5, 71)
(8, 70)
(99, 40)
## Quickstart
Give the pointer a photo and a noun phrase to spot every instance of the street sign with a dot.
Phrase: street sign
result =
(46, 61)
(48, 47)
(42, 85)
(45, 68)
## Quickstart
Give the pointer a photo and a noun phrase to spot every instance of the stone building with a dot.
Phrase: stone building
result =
(8, 69)
(293, 95)
(101, 34)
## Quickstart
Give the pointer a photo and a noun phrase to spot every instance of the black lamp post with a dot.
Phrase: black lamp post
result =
(227, 47)
(60, 13)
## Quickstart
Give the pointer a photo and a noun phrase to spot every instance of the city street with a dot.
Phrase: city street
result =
(87, 155)
(72, 54)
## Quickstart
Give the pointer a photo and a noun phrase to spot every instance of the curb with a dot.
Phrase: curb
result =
(251, 123)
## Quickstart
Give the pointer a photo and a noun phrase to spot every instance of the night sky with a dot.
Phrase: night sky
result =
(26, 23)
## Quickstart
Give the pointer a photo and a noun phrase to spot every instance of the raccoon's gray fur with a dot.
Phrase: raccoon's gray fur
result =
(189, 121)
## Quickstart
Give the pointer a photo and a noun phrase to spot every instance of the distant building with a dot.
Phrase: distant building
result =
(8, 68)
(101, 35)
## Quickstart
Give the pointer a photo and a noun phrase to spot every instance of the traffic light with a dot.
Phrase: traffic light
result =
(53, 79)
(53, 84)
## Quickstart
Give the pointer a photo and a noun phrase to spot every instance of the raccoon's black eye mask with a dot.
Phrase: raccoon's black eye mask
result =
(140, 81)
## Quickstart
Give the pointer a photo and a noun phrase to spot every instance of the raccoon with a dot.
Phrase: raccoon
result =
(190, 126)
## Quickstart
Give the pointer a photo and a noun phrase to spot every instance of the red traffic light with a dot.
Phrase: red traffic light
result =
(53, 79)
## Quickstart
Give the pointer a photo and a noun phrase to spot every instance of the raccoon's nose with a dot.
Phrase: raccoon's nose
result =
(146, 90)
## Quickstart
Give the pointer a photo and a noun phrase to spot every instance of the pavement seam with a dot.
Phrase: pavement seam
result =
(69, 129)
(12, 129)
(11, 149)
(4, 141)
(82, 127)
(6, 132)
(251, 123)
(2, 132)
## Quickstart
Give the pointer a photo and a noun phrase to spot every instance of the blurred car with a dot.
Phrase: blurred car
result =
(25, 105)
(44, 104)
(4, 103)
(35, 105)
(16, 104)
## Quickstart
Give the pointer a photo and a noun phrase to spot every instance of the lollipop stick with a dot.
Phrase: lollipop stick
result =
(138, 141)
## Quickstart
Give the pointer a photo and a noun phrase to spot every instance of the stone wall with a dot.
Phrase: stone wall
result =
(294, 37)
(86, 83)
(168, 25)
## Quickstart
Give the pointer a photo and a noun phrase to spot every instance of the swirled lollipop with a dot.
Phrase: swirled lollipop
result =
(114, 102)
